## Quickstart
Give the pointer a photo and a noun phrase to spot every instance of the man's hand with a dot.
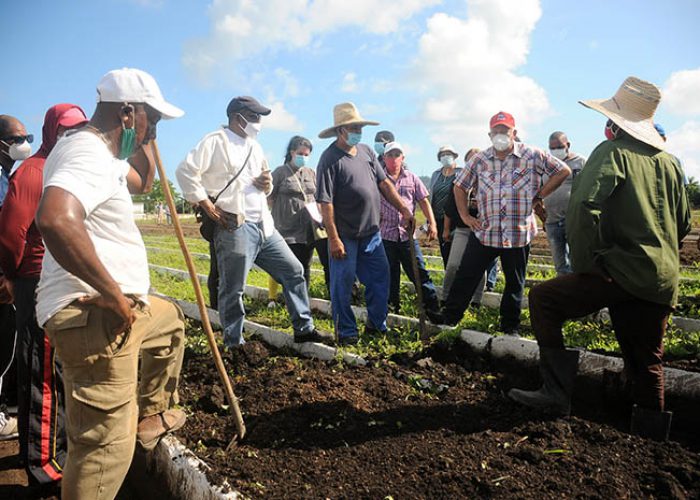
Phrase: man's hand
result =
(120, 304)
(538, 208)
(473, 223)
(432, 232)
(446, 235)
(263, 182)
(408, 220)
(7, 295)
(214, 212)
(337, 248)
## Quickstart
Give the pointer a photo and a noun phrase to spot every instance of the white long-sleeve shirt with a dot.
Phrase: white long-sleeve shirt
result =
(212, 163)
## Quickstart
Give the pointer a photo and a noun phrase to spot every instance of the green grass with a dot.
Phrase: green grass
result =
(581, 333)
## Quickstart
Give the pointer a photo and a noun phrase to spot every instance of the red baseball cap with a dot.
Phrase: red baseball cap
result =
(72, 117)
(502, 118)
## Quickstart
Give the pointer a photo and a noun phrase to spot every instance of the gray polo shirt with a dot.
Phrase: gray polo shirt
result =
(557, 202)
(351, 184)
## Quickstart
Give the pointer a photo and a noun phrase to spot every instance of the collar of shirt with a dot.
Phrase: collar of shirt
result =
(490, 153)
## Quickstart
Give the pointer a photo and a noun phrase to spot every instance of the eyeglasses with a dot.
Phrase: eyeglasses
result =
(19, 139)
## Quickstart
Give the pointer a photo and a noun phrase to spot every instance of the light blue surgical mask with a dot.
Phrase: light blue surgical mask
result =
(354, 138)
(446, 160)
(379, 148)
(300, 160)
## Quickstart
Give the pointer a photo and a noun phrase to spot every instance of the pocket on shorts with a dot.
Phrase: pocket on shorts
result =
(101, 413)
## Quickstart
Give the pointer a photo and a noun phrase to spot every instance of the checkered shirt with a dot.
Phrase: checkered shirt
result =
(411, 190)
(505, 190)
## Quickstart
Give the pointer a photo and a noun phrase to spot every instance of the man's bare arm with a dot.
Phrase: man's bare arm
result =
(335, 244)
(60, 219)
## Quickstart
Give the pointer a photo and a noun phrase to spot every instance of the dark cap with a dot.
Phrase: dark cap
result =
(384, 136)
(244, 102)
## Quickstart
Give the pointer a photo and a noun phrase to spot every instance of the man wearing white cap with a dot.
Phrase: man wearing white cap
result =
(395, 237)
(350, 182)
(92, 297)
(627, 215)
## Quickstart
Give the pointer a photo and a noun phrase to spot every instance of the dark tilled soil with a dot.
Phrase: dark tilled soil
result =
(411, 429)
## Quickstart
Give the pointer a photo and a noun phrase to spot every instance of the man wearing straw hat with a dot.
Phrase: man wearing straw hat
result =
(92, 297)
(627, 215)
(350, 182)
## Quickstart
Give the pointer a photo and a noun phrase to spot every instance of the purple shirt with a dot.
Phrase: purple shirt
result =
(411, 190)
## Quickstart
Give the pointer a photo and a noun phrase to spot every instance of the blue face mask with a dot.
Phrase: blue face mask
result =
(379, 148)
(354, 138)
(300, 161)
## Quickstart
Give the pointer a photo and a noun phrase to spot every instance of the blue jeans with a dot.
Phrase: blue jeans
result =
(556, 234)
(236, 252)
(492, 274)
(398, 253)
(365, 259)
(475, 260)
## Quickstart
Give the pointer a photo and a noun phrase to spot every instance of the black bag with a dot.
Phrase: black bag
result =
(207, 226)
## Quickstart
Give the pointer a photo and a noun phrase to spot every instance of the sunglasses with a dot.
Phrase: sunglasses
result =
(19, 139)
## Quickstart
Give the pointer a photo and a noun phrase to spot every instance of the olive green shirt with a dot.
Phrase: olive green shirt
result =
(627, 214)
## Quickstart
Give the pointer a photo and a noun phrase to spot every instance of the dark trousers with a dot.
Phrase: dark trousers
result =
(445, 246)
(639, 326)
(475, 260)
(8, 365)
(398, 253)
(213, 278)
(40, 412)
(304, 253)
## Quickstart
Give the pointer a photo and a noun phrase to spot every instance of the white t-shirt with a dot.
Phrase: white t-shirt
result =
(82, 165)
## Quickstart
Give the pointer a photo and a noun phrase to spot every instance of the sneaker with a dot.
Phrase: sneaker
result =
(345, 341)
(513, 331)
(489, 287)
(314, 336)
(154, 427)
(8, 427)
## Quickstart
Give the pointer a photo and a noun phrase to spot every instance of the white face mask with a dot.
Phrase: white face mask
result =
(559, 153)
(501, 142)
(251, 129)
(19, 152)
(446, 160)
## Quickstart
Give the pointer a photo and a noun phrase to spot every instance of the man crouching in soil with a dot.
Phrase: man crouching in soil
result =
(92, 297)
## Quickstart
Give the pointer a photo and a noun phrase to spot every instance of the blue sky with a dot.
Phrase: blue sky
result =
(431, 71)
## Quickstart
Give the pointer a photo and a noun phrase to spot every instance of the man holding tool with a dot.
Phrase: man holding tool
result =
(92, 297)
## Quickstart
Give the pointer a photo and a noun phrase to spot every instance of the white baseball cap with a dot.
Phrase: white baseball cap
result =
(135, 86)
(391, 146)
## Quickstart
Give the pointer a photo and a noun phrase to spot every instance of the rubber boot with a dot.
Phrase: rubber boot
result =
(651, 424)
(558, 368)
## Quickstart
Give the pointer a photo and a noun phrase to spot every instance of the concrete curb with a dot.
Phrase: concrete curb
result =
(596, 367)
(184, 474)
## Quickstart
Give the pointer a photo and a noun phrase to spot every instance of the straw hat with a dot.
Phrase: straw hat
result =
(632, 108)
(344, 114)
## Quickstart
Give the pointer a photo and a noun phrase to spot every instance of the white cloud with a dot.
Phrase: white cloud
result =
(350, 84)
(681, 93)
(467, 70)
(281, 119)
(246, 28)
(685, 143)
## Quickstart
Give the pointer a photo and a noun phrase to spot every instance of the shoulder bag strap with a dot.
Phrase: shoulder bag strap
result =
(250, 151)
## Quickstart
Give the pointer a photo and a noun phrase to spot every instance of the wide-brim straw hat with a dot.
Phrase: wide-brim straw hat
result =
(344, 114)
(632, 108)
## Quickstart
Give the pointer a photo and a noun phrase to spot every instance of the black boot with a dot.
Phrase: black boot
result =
(652, 424)
(558, 368)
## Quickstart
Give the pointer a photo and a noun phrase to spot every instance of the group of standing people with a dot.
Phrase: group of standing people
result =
(75, 268)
